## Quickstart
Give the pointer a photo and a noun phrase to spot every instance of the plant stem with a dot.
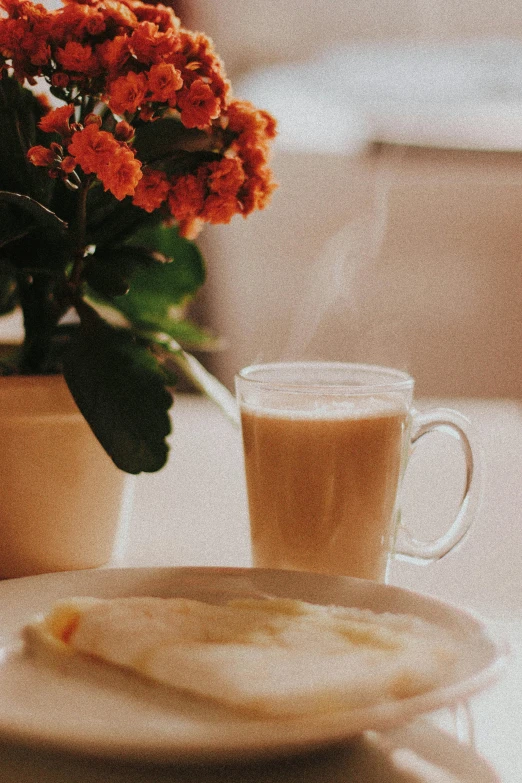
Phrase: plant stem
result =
(80, 232)
(201, 378)
(40, 317)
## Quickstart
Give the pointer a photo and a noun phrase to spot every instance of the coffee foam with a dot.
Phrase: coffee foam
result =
(308, 407)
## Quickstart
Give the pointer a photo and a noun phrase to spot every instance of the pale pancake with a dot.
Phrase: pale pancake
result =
(271, 657)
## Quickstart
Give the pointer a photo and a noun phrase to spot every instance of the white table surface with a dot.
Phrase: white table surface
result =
(194, 512)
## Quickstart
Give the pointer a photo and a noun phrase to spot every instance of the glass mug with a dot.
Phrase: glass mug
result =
(326, 446)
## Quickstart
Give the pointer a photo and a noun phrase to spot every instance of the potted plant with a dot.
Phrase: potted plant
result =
(119, 139)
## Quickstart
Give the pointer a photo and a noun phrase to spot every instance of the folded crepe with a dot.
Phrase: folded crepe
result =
(271, 657)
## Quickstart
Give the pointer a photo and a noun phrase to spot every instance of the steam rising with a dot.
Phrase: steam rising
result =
(338, 285)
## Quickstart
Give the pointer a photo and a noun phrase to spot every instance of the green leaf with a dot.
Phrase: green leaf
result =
(183, 331)
(20, 112)
(43, 217)
(120, 389)
(158, 291)
(36, 237)
(186, 274)
(156, 141)
(188, 334)
(13, 224)
(110, 221)
(128, 258)
(109, 271)
(106, 279)
(8, 289)
(167, 145)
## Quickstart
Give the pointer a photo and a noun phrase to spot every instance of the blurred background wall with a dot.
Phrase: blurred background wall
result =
(395, 234)
(252, 33)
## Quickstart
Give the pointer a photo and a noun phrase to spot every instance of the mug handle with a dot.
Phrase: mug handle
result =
(457, 426)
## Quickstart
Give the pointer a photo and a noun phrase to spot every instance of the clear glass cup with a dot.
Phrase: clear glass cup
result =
(326, 446)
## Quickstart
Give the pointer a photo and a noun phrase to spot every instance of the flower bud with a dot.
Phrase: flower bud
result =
(59, 79)
(68, 164)
(146, 113)
(93, 119)
(41, 156)
(123, 131)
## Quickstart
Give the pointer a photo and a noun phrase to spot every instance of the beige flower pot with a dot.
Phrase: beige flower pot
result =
(61, 497)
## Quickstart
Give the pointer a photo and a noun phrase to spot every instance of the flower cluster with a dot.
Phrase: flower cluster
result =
(240, 181)
(118, 65)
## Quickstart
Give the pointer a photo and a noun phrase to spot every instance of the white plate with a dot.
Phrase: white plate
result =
(95, 709)
(416, 753)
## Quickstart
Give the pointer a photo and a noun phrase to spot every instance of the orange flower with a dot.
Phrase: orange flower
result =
(224, 180)
(152, 190)
(197, 58)
(159, 14)
(41, 156)
(257, 190)
(254, 126)
(77, 58)
(57, 121)
(24, 38)
(68, 22)
(198, 105)
(94, 23)
(135, 58)
(113, 55)
(187, 197)
(93, 149)
(127, 92)
(122, 174)
(163, 82)
(98, 152)
(254, 129)
(226, 177)
(86, 3)
(37, 49)
(119, 14)
(220, 210)
(150, 45)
